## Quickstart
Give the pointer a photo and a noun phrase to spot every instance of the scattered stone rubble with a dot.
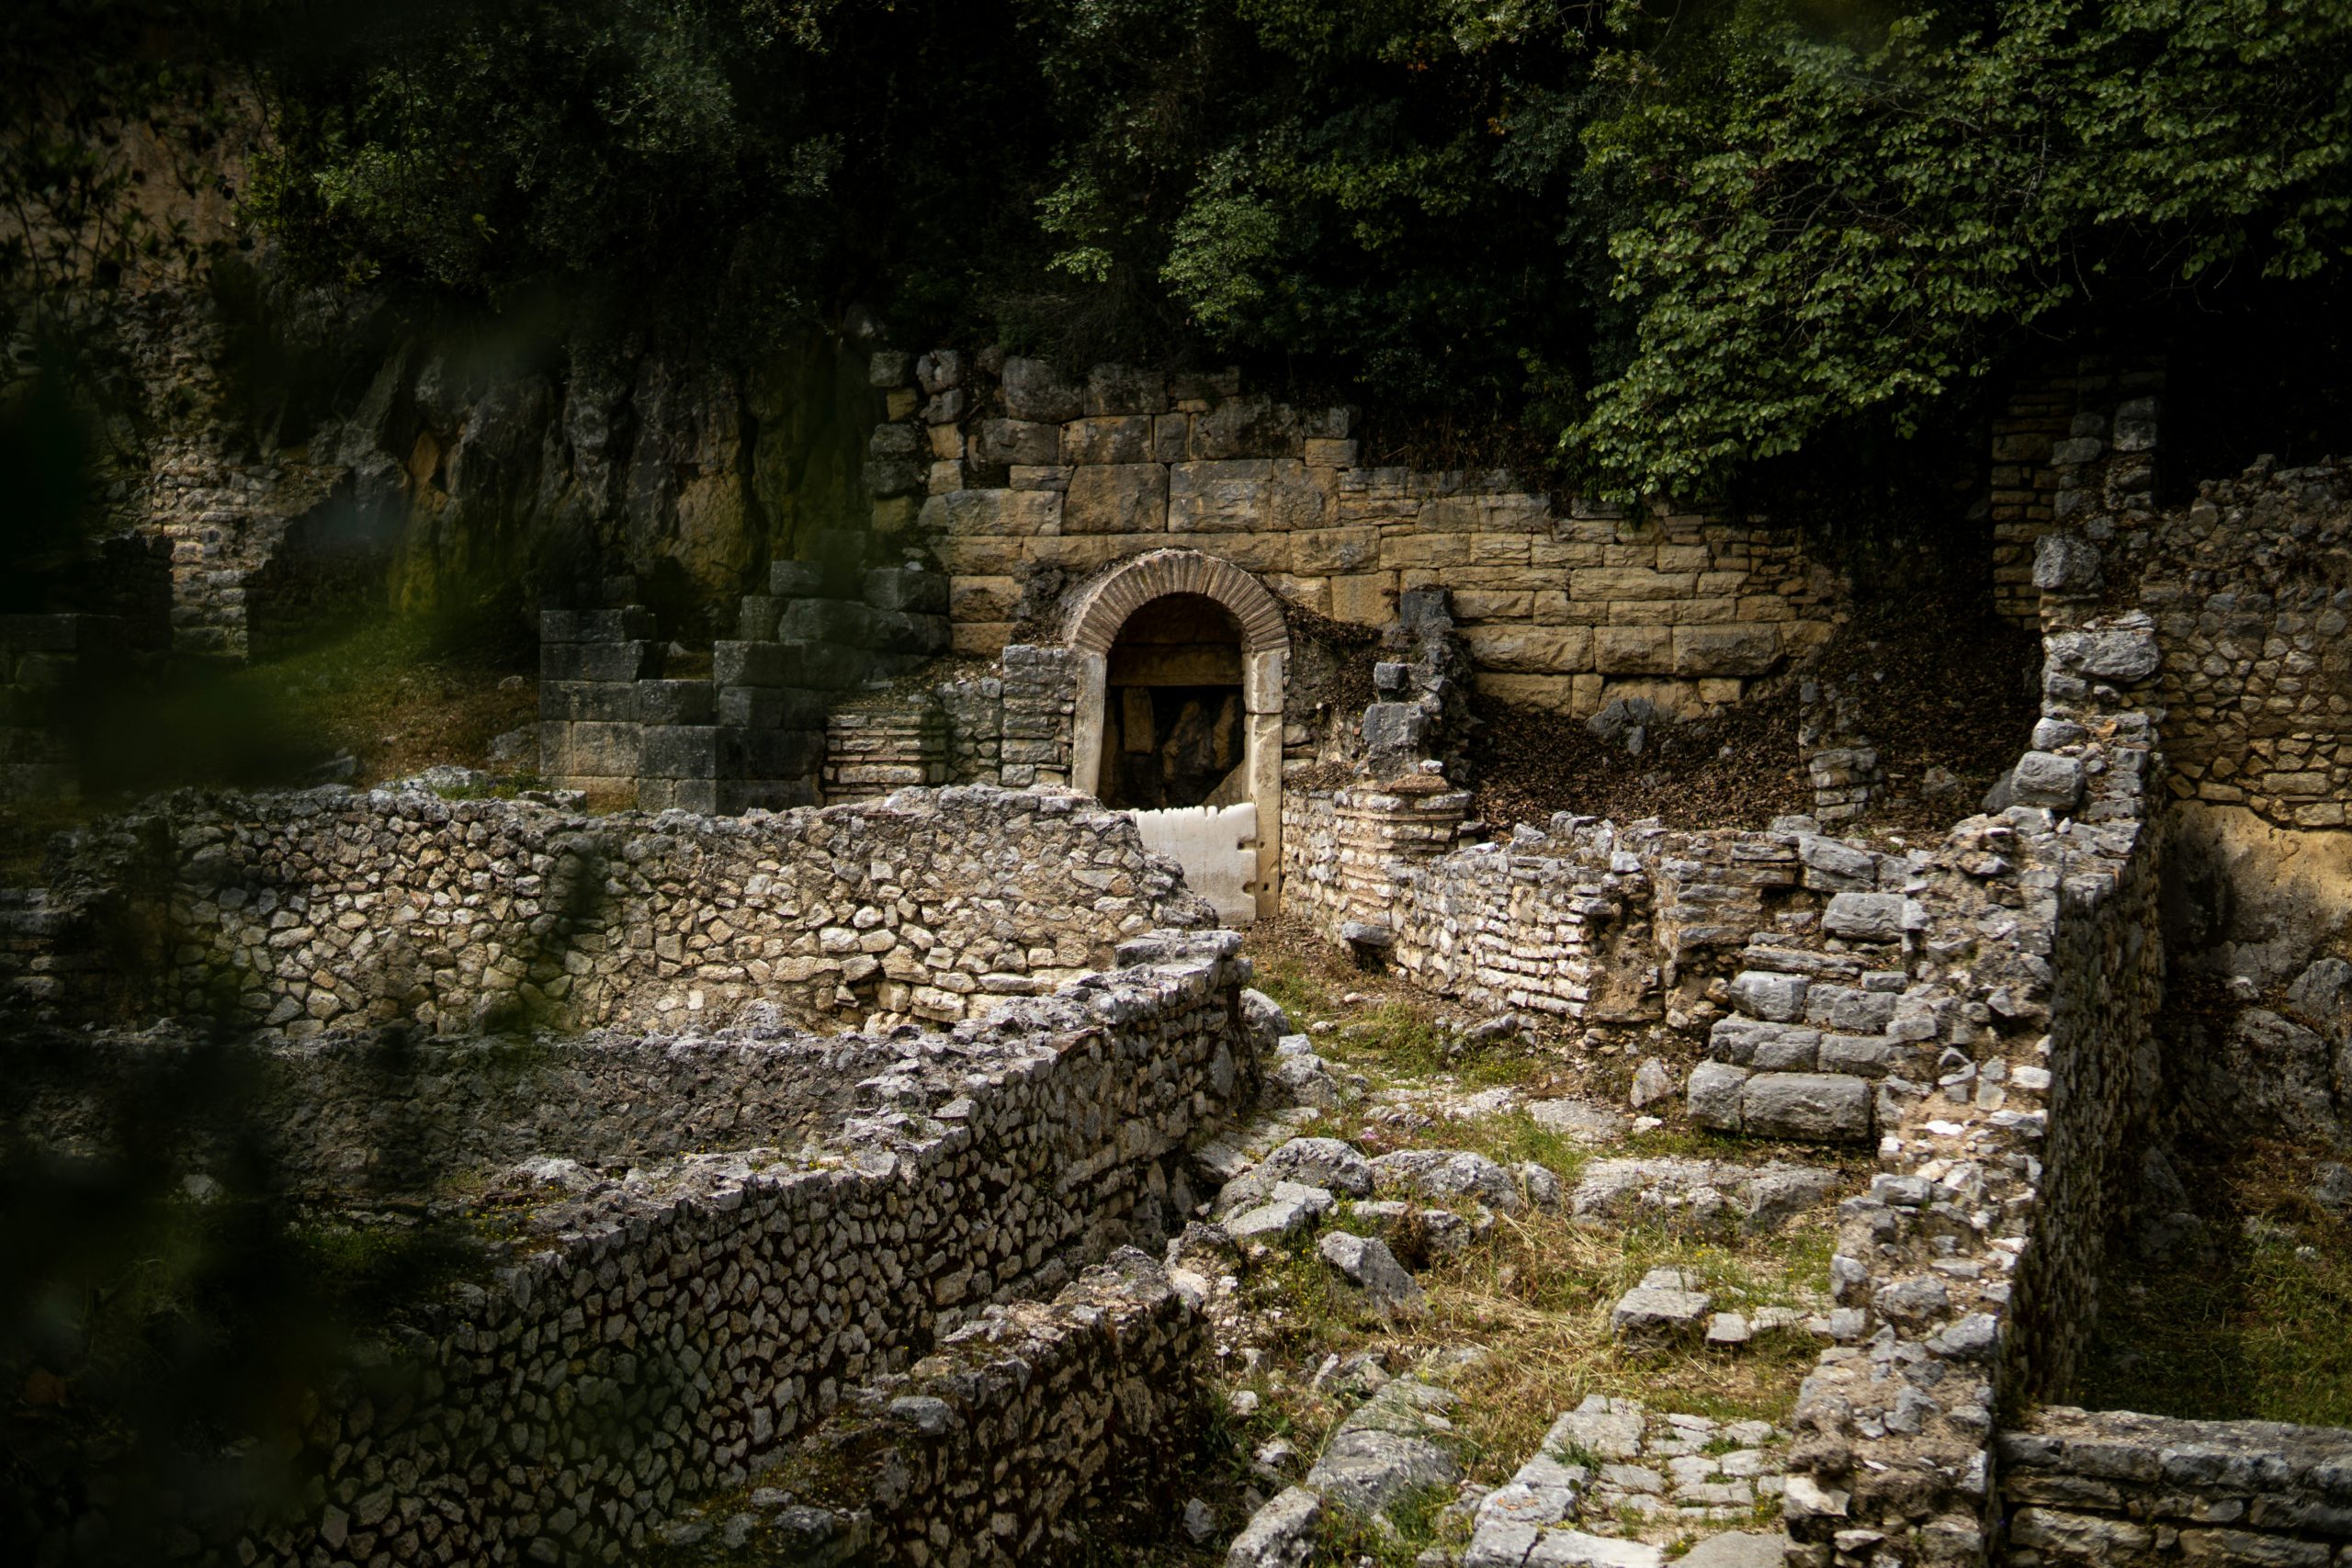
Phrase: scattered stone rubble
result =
(1614, 1485)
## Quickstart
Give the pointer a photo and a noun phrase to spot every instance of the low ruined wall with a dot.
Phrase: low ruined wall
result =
(2075, 442)
(385, 1113)
(660, 1336)
(330, 910)
(2251, 589)
(1020, 1425)
(1346, 850)
(2115, 1488)
(1520, 926)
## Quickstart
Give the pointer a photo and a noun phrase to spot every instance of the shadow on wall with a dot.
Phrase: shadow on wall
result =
(2258, 923)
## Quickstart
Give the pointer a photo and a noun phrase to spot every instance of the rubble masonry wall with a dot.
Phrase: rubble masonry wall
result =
(657, 1339)
(329, 910)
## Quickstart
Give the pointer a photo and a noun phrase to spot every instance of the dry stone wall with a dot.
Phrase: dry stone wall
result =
(2251, 588)
(996, 1449)
(2114, 1487)
(329, 910)
(1021, 482)
(380, 1115)
(661, 1337)
(1969, 1273)
(2074, 447)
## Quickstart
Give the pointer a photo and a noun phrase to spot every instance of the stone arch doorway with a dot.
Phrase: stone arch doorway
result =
(1190, 615)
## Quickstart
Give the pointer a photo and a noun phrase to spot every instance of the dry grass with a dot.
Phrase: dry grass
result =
(1537, 1295)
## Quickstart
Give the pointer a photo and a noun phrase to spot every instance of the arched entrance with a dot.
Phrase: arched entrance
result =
(1192, 651)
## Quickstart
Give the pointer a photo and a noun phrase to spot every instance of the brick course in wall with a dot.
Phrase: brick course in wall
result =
(2114, 1487)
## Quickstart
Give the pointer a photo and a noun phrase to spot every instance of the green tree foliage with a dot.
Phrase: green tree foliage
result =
(1678, 237)
(1374, 187)
(1827, 215)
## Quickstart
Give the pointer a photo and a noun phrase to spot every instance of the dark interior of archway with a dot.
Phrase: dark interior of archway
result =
(1172, 725)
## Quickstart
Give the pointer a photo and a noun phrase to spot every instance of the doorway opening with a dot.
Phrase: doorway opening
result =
(1180, 661)
(1175, 732)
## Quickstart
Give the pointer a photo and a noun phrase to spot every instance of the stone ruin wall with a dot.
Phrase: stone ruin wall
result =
(2251, 588)
(661, 1338)
(385, 1113)
(299, 914)
(1097, 1398)
(1003, 492)
(2072, 448)
(1981, 1008)
(2115, 1487)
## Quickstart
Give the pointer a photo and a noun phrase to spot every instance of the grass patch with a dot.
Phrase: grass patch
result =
(1537, 1295)
(2256, 1332)
(397, 693)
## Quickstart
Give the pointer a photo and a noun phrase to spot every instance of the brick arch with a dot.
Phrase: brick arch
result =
(1095, 620)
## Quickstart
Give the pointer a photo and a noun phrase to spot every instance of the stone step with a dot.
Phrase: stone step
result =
(1611, 1473)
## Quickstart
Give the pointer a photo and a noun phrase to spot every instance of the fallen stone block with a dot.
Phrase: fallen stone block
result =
(1281, 1534)
(1288, 1210)
(1397, 1442)
(1662, 1305)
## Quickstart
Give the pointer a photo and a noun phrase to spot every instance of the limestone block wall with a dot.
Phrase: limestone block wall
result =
(2116, 1487)
(2251, 588)
(753, 733)
(330, 910)
(1020, 483)
(652, 1339)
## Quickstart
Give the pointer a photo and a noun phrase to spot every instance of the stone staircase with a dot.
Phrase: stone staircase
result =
(1825, 1012)
(752, 734)
(1612, 1475)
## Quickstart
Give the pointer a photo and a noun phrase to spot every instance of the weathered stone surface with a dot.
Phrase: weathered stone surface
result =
(2042, 779)
(1716, 1091)
(1865, 917)
(1661, 1306)
(1366, 1263)
(1815, 1107)
(1287, 1211)
(1280, 1535)
(1397, 1442)
(1445, 1175)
